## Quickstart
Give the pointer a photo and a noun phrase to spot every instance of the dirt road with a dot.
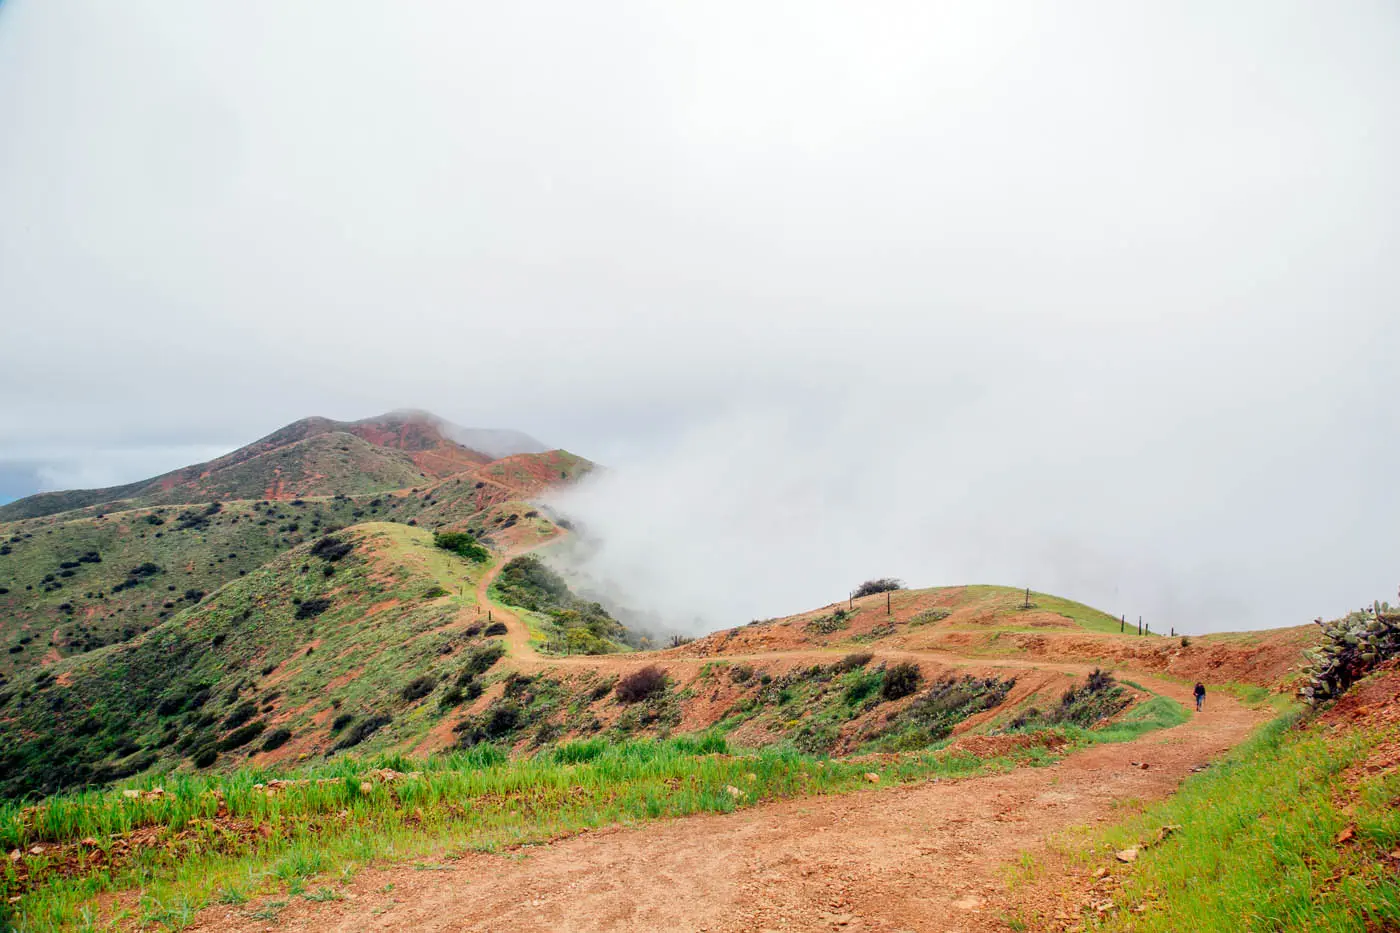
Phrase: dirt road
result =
(925, 857)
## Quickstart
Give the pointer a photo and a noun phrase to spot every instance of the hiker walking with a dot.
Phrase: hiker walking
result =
(1200, 695)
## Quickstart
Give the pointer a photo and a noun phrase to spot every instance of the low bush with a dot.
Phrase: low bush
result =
(462, 544)
(852, 662)
(419, 687)
(825, 625)
(341, 721)
(276, 739)
(242, 736)
(901, 680)
(641, 684)
(310, 608)
(331, 548)
(882, 585)
(483, 659)
(241, 714)
(363, 730)
(496, 628)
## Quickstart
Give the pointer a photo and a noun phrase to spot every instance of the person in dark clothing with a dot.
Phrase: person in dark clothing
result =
(1200, 695)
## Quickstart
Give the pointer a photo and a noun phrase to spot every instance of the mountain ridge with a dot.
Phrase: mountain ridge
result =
(435, 446)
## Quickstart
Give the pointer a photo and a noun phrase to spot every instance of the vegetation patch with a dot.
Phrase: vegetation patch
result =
(827, 624)
(641, 684)
(573, 625)
(462, 544)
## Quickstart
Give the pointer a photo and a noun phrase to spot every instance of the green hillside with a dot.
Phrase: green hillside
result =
(80, 580)
(341, 641)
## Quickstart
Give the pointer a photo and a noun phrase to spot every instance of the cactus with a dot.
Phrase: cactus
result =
(1351, 646)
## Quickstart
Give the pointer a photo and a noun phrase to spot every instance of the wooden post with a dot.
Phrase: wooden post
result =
(488, 615)
(851, 599)
(1122, 622)
(1139, 625)
(887, 602)
(1028, 598)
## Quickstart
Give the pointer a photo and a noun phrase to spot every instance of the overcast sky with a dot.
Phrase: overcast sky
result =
(1101, 298)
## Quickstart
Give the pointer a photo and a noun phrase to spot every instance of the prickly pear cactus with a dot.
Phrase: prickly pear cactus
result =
(1351, 646)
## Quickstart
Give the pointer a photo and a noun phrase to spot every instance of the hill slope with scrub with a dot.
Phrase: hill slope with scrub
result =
(79, 580)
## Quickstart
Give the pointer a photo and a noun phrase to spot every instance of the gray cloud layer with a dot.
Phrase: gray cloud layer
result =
(1094, 297)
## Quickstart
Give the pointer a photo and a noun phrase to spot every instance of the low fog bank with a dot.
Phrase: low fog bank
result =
(1191, 521)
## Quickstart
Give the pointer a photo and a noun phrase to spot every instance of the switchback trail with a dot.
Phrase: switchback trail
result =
(921, 857)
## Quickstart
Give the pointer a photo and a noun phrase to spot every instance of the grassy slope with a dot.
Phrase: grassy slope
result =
(1295, 830)
(91, 715)
(1004, 607)
(243, 536)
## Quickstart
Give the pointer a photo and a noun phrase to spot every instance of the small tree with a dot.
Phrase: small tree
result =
(882, 585)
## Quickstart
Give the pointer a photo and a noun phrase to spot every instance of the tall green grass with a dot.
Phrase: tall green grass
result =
(1258, 849)
(472, 800)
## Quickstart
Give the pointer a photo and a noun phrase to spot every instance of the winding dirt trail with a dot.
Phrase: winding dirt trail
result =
(517, 633)
(920, 857)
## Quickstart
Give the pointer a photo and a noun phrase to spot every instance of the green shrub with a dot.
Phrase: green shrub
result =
(853, 662)
(825, 625)
(310, 608)
(241, 714)
(276, 739)
(362, 730)
(419, 687)
(331, 548)
(482, 659)
(462, 544)
(242, 736)
(882, 585)
(901, 680)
